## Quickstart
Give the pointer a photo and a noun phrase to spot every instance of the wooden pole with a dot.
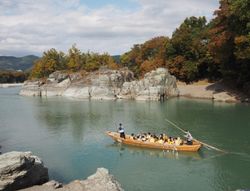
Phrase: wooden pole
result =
(205, 144)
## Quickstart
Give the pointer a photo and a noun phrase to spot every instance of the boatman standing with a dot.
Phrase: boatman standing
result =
(189, 138)
(121, 131)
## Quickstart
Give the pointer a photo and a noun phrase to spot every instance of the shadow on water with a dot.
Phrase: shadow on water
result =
(154, 153)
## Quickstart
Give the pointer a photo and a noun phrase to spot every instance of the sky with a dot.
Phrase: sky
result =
(112, 26)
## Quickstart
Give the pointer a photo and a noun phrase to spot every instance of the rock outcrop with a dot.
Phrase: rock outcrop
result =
(155, 85)
(21, 170)
(100, 181)
(105, 84)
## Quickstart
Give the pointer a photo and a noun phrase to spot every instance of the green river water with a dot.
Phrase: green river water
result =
(69, 137)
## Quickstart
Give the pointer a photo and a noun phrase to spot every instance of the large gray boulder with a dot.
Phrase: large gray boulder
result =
(31, 88)
(155, 84)
(100, 181)
(21, 170)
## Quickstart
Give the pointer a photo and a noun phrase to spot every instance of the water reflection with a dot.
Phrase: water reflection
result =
(58, 117)
(154, 153)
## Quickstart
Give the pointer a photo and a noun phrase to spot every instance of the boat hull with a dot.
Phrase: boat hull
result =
(144, 144)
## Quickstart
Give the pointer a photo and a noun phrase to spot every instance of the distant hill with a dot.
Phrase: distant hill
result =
(17, 63)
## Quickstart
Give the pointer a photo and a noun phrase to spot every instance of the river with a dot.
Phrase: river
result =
(69, 137)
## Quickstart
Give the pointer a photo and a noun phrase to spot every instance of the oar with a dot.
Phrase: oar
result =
(207, 145)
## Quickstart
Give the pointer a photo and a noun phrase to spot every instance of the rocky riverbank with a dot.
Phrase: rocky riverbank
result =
(120, 84)
(23, 170)
(105, 84)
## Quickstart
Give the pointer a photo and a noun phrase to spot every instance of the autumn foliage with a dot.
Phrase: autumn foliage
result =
(219, 49)
(146, 57)
(230, 40)
(53, 60)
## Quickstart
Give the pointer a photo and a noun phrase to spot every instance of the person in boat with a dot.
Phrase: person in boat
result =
(165, 137)
(138, 137)
(170, 140)
(189, 138)
(178, 141)
(121, 131)
(151, 139)
(161, 136)
(155, 137)
(143, 138)
(160, 141)
(148, 135)
(132, 136)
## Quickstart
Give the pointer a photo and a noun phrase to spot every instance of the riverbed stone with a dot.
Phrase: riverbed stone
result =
(20, 170)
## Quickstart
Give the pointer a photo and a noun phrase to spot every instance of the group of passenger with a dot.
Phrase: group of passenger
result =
(152, 138)
(162, 138)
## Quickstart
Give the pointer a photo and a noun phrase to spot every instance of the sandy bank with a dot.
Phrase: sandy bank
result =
(217, 91)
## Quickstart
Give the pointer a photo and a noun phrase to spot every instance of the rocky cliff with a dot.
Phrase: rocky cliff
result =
(105, 84)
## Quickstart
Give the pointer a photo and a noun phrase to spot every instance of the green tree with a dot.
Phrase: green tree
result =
(75, 61)
(187, 53)
(51, 61)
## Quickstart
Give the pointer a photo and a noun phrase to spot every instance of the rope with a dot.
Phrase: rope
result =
(205, 144)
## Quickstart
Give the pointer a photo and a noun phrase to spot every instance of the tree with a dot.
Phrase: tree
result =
(230, 40)
(75, 61)
(48, 63)
(147, 56)
(12, 76)
(52, 60)
(187, 54)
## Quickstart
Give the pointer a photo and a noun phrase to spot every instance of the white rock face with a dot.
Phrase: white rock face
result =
(77, 92)
(155, 84)
(105, 84)
(30, 88)
(20, 170)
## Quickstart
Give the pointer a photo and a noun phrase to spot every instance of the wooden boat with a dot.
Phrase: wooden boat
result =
(146, 144)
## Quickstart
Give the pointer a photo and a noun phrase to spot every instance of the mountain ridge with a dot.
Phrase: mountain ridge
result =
(11, 63)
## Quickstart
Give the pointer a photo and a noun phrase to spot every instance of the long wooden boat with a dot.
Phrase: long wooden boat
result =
(145, 144)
